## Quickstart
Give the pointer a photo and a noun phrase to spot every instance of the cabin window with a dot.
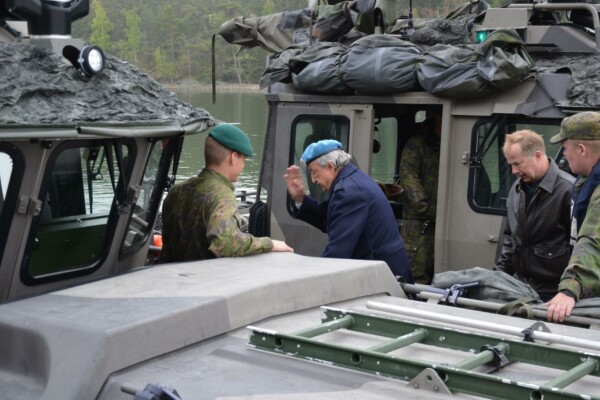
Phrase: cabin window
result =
(11, 172)
(490, 176)
(152, 188)
(310, 129)
(6, 167)
(84, 187)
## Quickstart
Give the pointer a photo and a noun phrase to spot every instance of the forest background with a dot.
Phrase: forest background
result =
(171, 39)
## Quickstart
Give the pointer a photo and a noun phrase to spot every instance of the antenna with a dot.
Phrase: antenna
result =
(411, 28)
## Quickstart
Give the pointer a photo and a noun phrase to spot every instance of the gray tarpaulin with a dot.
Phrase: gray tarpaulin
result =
(274, 33)
(499, 62)
(279, 68)
(493, 285)
(321, 76)
(316, 69)
(40, 87)
(497, 286)
(380, 64)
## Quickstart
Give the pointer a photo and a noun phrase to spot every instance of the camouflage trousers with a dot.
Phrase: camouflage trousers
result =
(419, 242)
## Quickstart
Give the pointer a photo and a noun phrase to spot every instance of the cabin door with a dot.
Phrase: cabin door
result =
(291, 128)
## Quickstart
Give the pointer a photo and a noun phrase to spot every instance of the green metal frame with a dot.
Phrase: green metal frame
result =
(460, 377)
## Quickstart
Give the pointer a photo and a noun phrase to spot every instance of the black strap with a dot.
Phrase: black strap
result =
(214, 81)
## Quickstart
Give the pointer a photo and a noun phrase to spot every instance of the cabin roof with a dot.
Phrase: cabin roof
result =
(41, 88)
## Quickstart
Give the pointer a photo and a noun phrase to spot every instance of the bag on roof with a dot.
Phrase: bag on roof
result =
(380, 64)
(372, 13)
(332, 22)
(326, 23)
(500, 61)
(279, 68)
(493, 285)
(316, 69)
(274, 33)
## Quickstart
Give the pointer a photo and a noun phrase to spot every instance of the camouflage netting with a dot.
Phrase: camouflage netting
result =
(584, 90)
(40, 87)
(443, 31)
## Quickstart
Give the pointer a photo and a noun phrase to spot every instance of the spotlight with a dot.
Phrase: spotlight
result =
(91, 60)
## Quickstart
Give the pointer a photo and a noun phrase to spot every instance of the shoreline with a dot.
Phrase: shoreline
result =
(221, 87)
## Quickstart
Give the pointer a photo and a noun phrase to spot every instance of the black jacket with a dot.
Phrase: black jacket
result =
(536, 246)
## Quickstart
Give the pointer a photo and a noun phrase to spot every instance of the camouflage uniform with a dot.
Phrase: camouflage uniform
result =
(582, 275)
(201, 220)
(419, 167)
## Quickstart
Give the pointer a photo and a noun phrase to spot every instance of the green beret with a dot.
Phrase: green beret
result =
(582, 126)
(233, 138)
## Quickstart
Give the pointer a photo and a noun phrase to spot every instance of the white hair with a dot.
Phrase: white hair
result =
(339, 159)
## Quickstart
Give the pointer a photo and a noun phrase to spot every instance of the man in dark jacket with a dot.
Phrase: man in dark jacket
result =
(357, 216)
(536, 247)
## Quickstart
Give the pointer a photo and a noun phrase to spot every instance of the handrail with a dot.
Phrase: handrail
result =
(563, 7)
(566, 7)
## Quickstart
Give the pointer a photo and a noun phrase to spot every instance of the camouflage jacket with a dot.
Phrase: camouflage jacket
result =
(201, 220)
(419, 178)
(582, 275)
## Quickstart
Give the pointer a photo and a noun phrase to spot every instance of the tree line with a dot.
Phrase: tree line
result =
(171, 39)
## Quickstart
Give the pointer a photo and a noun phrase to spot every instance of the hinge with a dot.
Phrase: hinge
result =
(133, 193)
(465, 158)
(29, 206)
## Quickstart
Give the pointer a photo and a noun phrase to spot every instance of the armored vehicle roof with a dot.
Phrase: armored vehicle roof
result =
(42, 88)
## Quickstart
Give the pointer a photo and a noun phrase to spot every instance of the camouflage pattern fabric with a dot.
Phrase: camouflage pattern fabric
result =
(419, 178)
(419, 239)
(201, 220)
(582, 275)
(581, 126)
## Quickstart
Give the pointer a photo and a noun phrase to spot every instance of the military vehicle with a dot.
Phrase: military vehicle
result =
(88, 143)
(474, 177)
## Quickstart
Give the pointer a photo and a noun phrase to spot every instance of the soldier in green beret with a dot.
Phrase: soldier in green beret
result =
(580, 138)
(200, 215)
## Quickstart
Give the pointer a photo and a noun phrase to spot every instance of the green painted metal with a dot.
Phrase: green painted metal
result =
(587, 367)
(458, 377)
(344, 322)
(486, 356)
(401, 341)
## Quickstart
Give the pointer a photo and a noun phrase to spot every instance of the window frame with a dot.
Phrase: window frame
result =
(512, 122)
(12, 194)
(168, 156)
(335, 118)
(112, 218)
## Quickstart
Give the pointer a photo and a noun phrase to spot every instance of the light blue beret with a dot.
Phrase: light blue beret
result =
(233, 138)
(317, 149)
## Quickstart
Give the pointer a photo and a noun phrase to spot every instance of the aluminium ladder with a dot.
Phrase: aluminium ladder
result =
(483, 351)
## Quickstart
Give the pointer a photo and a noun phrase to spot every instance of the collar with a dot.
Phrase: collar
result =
(209, 173)
(548, 180)
(346, 171)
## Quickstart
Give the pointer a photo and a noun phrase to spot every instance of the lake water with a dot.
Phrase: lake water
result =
(249, 109)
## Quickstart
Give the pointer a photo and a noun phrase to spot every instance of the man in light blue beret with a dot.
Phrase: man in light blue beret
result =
(357, 216)
(200, 216)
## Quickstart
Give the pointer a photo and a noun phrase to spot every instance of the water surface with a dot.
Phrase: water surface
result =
(249, 109)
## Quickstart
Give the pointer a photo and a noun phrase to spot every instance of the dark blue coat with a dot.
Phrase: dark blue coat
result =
(359, 222)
